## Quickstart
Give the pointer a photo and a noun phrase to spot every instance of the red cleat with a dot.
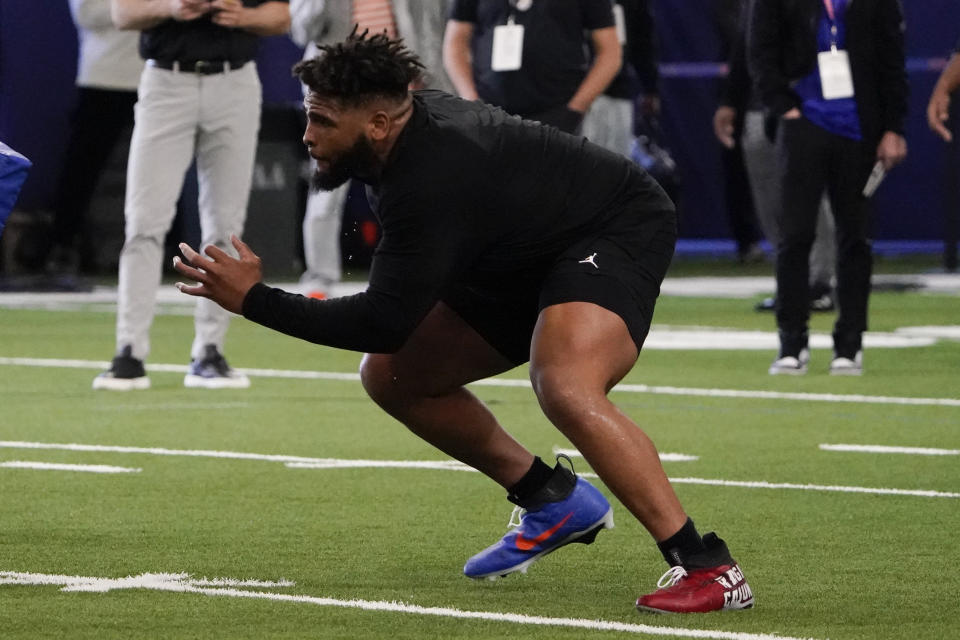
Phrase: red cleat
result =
(700, 590)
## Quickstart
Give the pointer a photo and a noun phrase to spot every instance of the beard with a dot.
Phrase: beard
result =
(359, 161)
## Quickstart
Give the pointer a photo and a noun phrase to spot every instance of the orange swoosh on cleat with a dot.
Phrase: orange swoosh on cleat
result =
(525, 544)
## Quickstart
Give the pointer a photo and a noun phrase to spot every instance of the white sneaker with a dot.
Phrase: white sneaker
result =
(846, 366)
(790, 365)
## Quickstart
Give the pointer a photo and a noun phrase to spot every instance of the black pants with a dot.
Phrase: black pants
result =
(739, 200)
(811, 160)
(100, 118)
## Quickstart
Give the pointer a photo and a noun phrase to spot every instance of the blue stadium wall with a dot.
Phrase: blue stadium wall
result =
(38, 62)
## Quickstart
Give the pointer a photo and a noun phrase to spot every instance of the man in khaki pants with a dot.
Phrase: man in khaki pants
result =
(199, 96)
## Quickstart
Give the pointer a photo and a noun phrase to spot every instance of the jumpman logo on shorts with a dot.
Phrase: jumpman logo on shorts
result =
(589, 260)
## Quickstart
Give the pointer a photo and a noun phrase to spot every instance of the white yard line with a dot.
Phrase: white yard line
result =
(182, 584)
(664, 457)
(786, 395)
(160, 451)
(155, 581)
(918, 493)
(300, 462)
(440, 465)
(51, 466)
(174, 406)
(523, 383)
(879, 448)
(698, 287)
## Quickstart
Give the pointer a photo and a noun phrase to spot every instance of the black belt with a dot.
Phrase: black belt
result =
(203, 67)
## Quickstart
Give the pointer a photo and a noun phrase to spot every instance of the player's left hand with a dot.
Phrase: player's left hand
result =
(219, 276)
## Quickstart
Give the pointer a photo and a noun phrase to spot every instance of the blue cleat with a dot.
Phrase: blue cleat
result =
(576, 517)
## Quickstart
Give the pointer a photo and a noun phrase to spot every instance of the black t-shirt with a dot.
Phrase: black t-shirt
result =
(555, 58)
(471, 196)
(638, 73)
(199, 39)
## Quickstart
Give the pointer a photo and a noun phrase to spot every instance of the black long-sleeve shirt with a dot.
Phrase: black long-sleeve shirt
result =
(737, 88)
(468, 195)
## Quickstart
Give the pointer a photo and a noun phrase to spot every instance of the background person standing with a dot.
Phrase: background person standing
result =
(610, 122)
(420, 23)
(199, 95)
(108, 71)
(834, 75)
(529, 56)
(559, 265)
(739, 123)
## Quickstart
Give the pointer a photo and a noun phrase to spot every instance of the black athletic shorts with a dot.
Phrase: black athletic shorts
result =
(618, 270)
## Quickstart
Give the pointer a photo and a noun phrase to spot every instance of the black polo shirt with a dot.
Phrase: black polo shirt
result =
(200, 39)
(555, 58)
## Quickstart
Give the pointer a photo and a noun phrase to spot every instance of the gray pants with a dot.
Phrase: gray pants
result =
(321, 238)
(179, 115)
(760, 156)
(609, 123)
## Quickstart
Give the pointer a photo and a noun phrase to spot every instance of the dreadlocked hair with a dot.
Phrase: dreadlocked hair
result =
(361, 68)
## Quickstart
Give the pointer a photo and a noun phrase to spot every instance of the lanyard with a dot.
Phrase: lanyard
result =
(828, 5)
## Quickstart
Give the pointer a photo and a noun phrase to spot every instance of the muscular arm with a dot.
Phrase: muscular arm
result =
(607, 57)
(457, 59)
(361, 322)
(422, 250)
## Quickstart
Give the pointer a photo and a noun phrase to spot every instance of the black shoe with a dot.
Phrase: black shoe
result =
(126, 373)
(62, 260)
(751, 254)
(213, 372)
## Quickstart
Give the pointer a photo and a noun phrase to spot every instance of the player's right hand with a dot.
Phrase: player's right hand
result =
(219, 276)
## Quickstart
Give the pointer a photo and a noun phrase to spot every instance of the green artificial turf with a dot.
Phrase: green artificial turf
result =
(822, 563)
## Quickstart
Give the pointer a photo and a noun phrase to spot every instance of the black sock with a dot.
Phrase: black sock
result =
(533, 480)
(681, 545)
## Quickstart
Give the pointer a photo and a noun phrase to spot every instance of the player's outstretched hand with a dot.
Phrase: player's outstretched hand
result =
(219, 276)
